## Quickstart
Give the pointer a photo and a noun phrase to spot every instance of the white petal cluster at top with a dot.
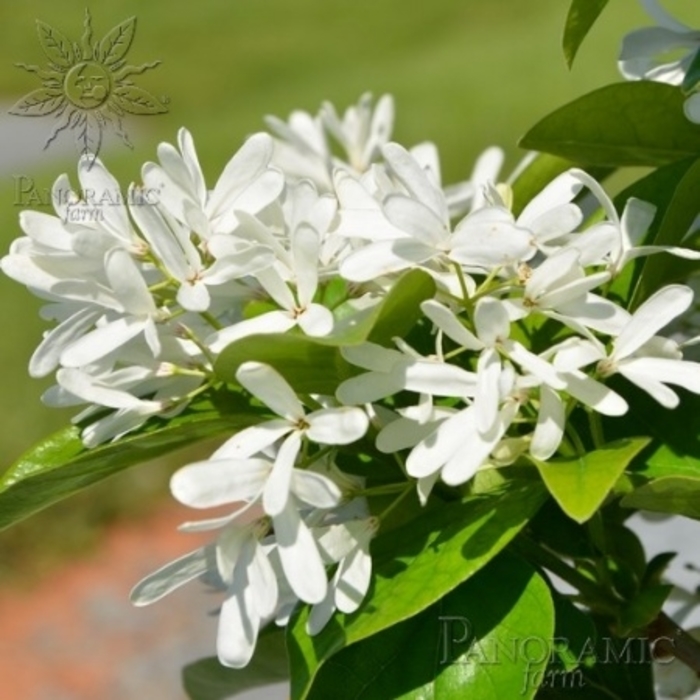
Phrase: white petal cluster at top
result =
(664, 53)
(149, 288)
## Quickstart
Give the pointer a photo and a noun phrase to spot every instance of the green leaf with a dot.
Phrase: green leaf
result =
(692, 74)
(56, 47)
(667, 479)
(136, 100)
(207, 679)
(116, 44)
(582, 16)
(414, 567)
(580, 484)
(457, 648)
(645, 607)
(309, 366)
(636, 123)
(671, 494)
(315, 365)
(38, 103)
(61, 465)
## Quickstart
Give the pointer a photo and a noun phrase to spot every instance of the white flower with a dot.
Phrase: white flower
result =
(391, 371)
(645, 54)
(647, 360)
(643, 51)
(327, 426)
(171, 242)
(346, 544)
(486, 238)
(240, 562)
(559, 288)
(617, 240)
(247, 184)
(363, 130)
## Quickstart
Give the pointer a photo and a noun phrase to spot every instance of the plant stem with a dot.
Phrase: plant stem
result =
(596, 425)
(382, 516)
(594, 595)
(671, 640)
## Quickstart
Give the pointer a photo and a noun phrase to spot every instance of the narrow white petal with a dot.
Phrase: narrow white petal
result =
(219, 481)
(488, 372)
(239, 624)
(279, 484)
(263, 582)
(594, 394)
(173, 575)
(337, 426)
(414, 179)
(550, 425)
(271, 322)
(354, 576)
(431, 453)
(658, 391)
(271, 388)
(128, 283)
(449, 324)
(415, 219)
(193, 296)
(439, 379)
(250, 441)
(491, 321)
(655, 313)
(316, 320)
(299, 555)
(679, 372)
(101, 342)
(47, 355)
(315, 489)
(532, 363)
(305, 251)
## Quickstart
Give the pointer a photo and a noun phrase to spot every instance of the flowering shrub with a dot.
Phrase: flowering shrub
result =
(430, 396)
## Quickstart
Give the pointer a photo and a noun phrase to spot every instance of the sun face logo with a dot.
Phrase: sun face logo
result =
(87, 86)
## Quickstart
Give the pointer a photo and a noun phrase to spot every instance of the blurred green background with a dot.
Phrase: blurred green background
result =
(465, 74)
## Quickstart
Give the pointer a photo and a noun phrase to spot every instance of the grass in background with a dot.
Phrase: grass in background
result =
(464, 74)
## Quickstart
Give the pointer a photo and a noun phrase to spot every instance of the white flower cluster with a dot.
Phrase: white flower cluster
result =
(148, 289)
(664, 53)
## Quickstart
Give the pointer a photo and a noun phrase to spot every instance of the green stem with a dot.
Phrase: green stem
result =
(383, 515)
(575, 439)
(211, 320)
(596, 425)
(594, 595)
(385, 490)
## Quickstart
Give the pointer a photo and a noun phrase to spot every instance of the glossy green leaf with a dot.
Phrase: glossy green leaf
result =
(645, 607)
(636, 123)
(315, 365)
(692, 74)
(580, 484)
(61, 465)
(581, 18)
(207, 679)
(457, 648)
(414, 567)
(308, 365)
(671, 494)
(667, 479)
